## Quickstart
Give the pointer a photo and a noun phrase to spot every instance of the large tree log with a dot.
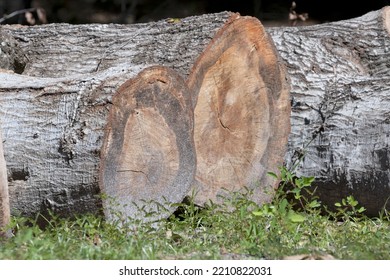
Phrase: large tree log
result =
(53, 116)
(58, 107)
(340, 77)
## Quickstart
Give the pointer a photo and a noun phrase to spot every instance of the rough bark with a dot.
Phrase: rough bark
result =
(242, 112)
(340, 77)
(53, 115)
(58, 107)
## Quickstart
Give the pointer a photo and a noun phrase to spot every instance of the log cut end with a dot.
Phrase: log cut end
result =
(242, 112)
(148, 158)
(386, 18)
(4, 196)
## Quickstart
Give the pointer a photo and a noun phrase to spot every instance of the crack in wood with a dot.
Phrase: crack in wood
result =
(161, 81)
(134, 171)
(219, 114)
(223, 125)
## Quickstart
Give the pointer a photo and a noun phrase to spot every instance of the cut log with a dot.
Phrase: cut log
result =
(340, 134)
(148, 157)
(4, 197)
(53, 114)
(242, 112)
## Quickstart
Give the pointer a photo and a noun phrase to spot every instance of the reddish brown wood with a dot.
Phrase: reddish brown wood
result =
(242, 112)
(241, 125)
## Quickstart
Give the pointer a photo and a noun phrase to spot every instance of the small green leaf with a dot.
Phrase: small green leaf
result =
(283, 206)
(298, 182)
(314, 204)
(297, 193)
(242, 212)
(337, 204)
(307, 181)
(295, 217)
(257, 213)
(361, 210)
(273, 175)
(352, 201)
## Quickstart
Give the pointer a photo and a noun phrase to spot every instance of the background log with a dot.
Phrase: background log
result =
(340, 77)
(53, 115)
(57, 108)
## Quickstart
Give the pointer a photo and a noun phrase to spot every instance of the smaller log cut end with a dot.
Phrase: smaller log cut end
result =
(386, 18)
(148, 157)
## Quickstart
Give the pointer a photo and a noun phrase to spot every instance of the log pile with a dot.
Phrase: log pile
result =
(68, 124)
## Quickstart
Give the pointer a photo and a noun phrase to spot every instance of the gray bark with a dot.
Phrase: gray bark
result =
(340, 78)
(54, 113)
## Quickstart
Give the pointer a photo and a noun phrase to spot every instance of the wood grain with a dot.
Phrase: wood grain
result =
(242, 112)
(148, 158)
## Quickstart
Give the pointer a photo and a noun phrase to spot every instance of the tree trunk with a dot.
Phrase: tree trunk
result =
(340, 134)
(54, 114)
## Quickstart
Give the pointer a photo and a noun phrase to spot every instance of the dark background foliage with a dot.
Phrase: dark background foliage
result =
(270, 12)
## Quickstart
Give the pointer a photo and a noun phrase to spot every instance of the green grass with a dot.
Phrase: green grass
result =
(294, 223)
